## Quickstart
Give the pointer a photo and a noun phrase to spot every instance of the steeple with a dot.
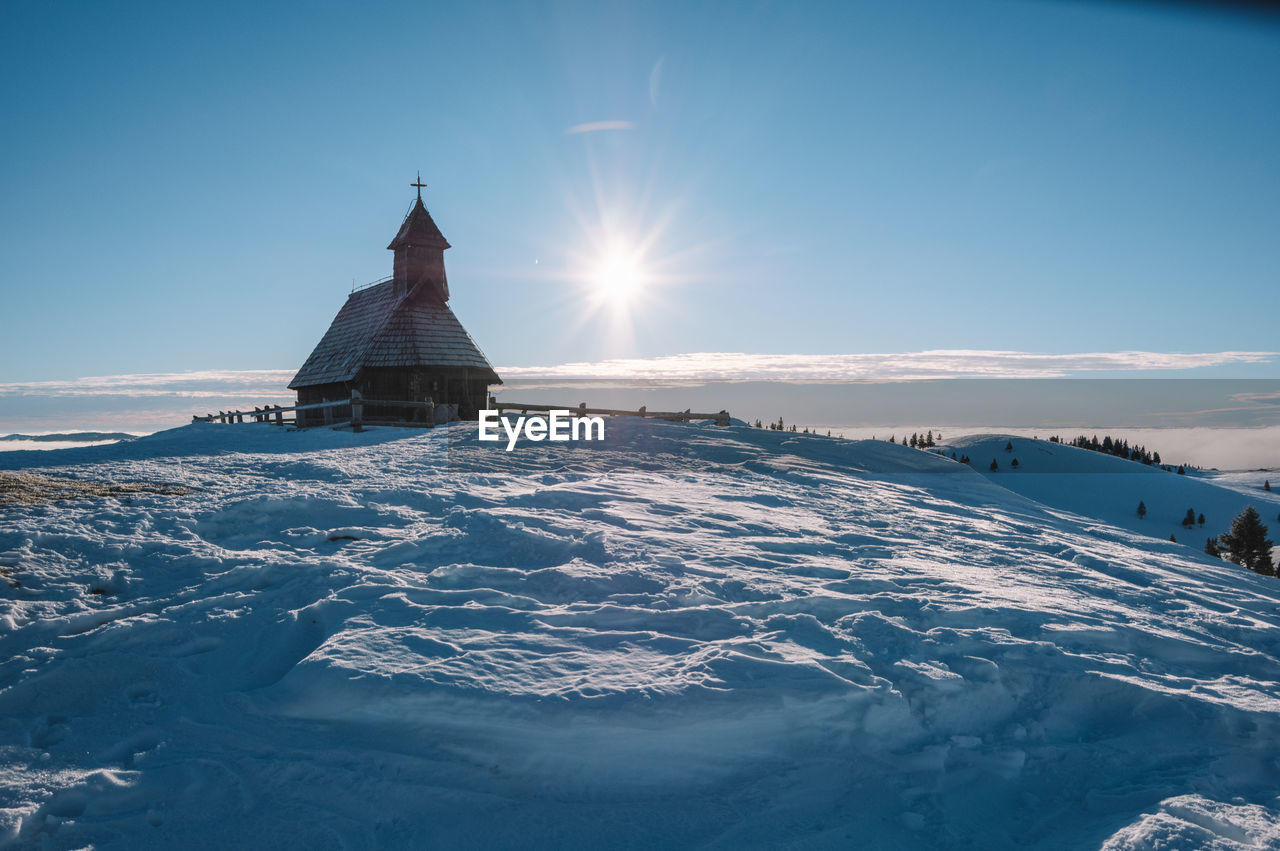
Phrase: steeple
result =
(419, 254)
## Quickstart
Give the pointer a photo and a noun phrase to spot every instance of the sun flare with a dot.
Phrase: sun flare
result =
(617, 275)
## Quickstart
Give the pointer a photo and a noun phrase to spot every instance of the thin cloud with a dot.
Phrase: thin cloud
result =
(655, 80)
(597, 126)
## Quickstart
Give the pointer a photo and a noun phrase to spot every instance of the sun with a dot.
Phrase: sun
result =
(617, 274)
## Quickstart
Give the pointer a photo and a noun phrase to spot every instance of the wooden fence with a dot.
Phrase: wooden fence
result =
(332, 416)
(354, 416)
(721, 418)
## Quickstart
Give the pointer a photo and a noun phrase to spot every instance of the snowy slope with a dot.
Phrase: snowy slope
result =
(1109, 489)
(687, 636)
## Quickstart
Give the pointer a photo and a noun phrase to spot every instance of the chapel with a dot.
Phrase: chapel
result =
(398, 340)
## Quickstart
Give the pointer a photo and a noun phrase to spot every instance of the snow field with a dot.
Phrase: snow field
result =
(682, 636)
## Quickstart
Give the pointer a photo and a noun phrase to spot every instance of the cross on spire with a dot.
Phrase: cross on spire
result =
(420, 185)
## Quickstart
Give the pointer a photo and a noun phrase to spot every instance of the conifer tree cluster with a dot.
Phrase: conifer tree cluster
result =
(923, 441)
(1113, 446)
(781, 426)
(1190, 519)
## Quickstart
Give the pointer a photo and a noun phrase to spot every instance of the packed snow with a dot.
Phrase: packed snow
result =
(681, 636)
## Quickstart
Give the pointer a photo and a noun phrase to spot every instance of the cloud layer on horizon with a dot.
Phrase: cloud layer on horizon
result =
(939, 363)
(198, 384)
(740, 366)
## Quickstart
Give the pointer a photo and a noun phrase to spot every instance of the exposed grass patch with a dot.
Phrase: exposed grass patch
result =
(30, 489)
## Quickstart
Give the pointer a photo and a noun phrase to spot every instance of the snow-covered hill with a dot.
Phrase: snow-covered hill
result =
(1109, 489)
(684, 636)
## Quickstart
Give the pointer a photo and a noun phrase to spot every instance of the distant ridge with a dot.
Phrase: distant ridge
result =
(73, 436)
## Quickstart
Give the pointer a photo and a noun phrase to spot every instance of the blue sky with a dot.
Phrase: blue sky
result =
(194, 187)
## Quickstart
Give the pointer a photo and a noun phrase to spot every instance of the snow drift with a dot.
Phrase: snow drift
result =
(682, 636)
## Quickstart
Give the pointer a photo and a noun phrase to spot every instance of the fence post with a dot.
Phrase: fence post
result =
(328, 415)
(357, 410)
(429, 409)
(279, 416)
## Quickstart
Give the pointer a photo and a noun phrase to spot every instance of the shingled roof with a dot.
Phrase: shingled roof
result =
(377, 328)
(419, 229)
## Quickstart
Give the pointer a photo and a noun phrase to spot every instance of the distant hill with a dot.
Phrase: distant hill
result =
(73, 437)
(1109, 488)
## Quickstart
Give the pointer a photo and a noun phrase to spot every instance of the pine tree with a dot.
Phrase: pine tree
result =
(892, 439)
(1172, 538)
(1155, 457)
(1190, 519)
(1142, 509)
(1200, 519)
(1211, 548)
(1182, 471)
(1014, 465)
(1246, 544)
(928, 440)
(1008, 446)
(1266, 486)
(994, 466)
